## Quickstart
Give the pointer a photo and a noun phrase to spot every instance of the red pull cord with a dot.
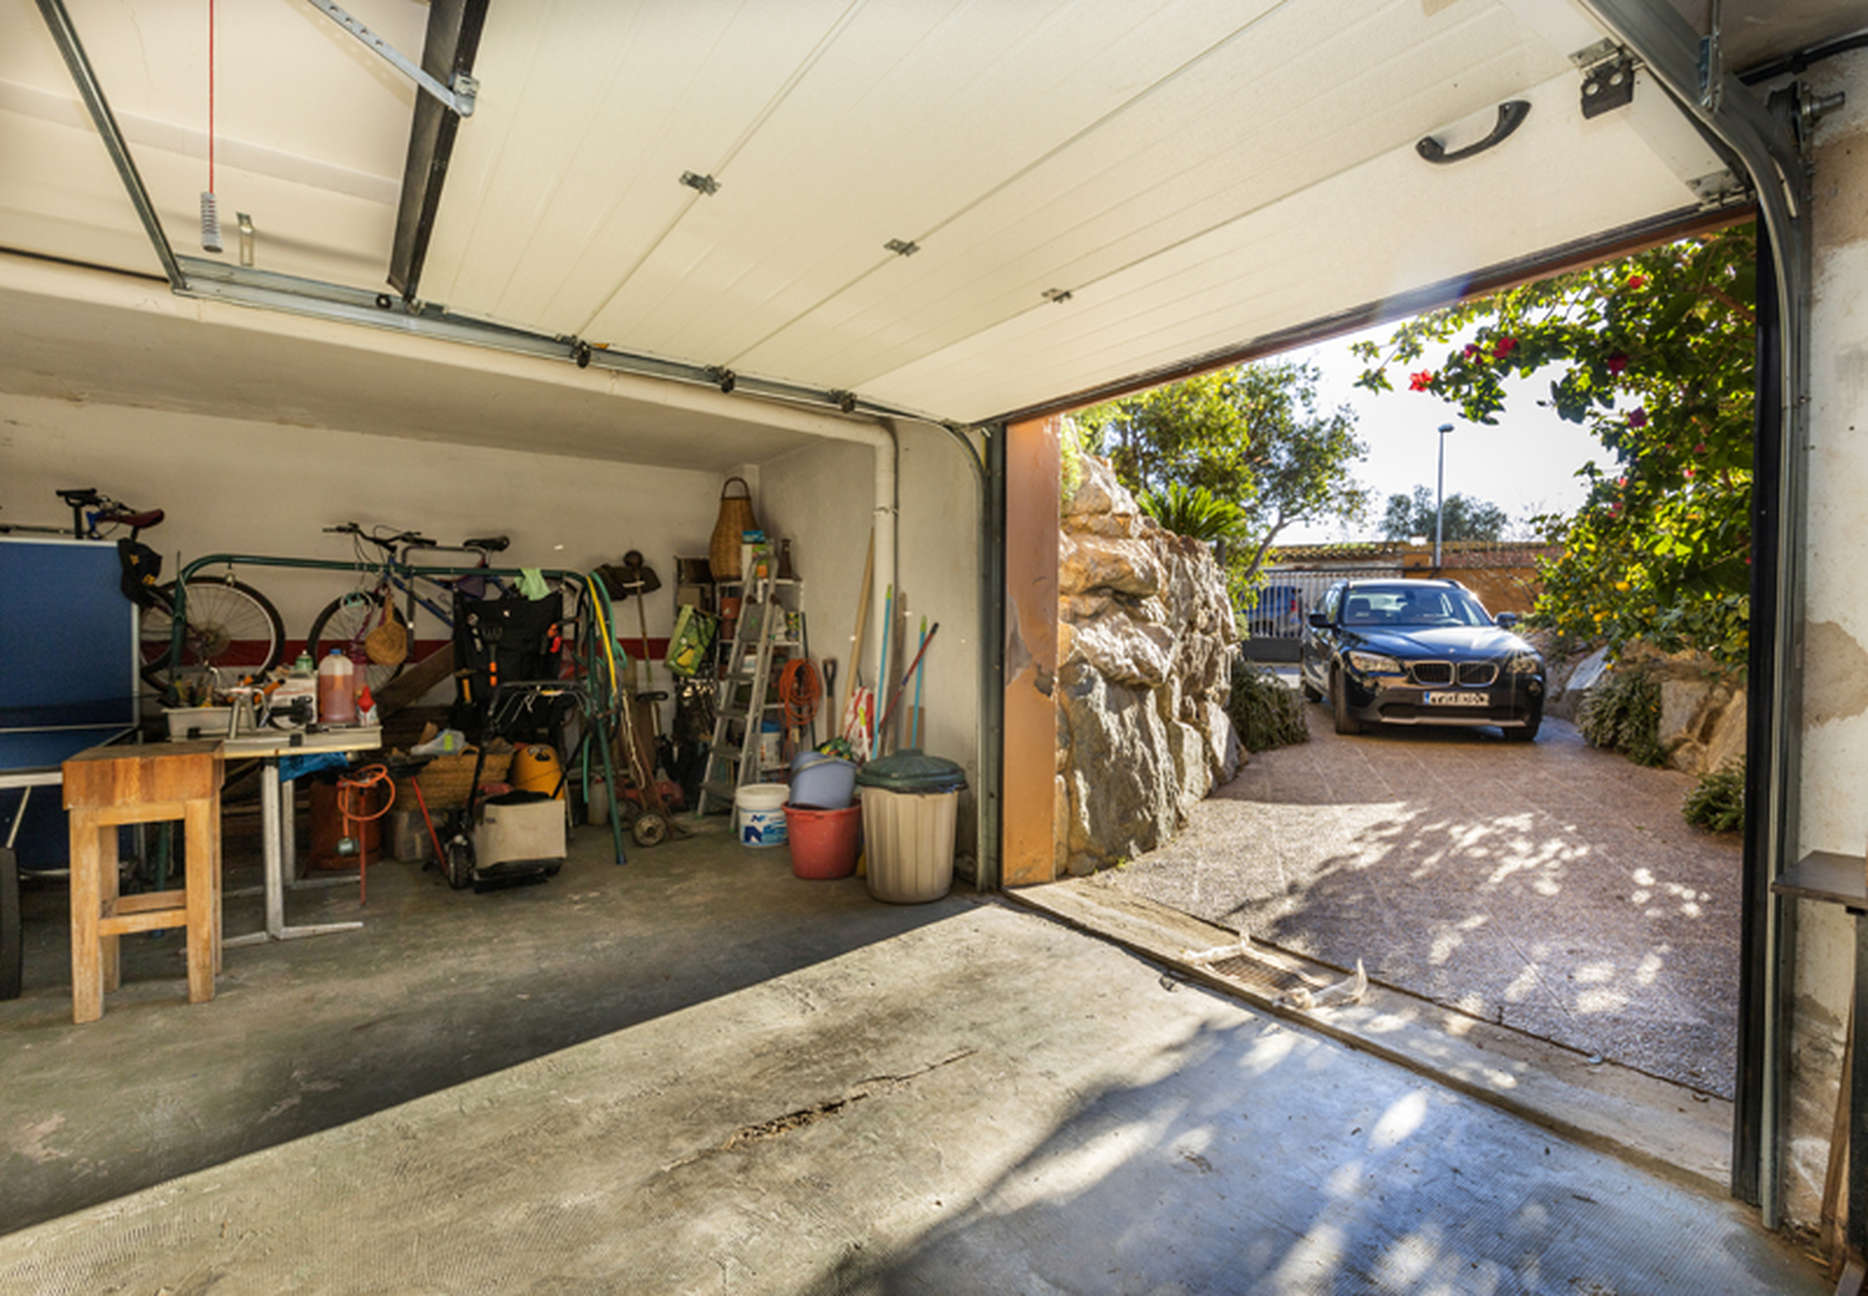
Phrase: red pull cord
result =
(210, 96)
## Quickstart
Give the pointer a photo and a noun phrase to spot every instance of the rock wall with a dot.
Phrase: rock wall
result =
(1702, 704)
(1145, 644)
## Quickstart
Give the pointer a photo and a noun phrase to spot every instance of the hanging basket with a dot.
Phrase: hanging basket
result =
(735, 517)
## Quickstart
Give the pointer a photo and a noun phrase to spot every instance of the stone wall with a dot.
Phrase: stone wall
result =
(1144, 650)
(1702, 704)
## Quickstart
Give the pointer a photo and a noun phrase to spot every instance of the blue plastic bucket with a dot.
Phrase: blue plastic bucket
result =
(822, 782)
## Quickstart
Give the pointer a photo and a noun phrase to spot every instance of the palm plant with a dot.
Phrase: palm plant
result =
(1193, 511)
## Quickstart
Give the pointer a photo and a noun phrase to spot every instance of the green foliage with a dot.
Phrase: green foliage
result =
(1266, 712)
(1622, 713)
(1252, 436)
(1652, 353)
(1070, 458)
(1717, 801)
(1466, 517)
(1192, 511)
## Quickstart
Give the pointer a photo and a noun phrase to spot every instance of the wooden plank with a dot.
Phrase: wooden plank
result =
(200, 893)
(87, 978)
(1028, 832)
(109, 956)
(407, 688)
(134, 813)
(147, 901)
(134, 776)
(151, 920)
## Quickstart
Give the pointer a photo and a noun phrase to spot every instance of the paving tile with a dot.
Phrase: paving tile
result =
(1552, 886)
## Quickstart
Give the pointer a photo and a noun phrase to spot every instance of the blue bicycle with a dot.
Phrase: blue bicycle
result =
(374, 624)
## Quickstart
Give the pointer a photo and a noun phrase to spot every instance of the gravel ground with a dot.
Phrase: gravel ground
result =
(1551, 887)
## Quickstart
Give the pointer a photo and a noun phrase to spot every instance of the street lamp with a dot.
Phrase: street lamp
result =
(1439, 501)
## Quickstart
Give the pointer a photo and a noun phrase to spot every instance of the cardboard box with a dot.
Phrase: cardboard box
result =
(533, 830)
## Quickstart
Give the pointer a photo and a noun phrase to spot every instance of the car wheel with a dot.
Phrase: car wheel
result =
(1526, 733)
(1339, 706)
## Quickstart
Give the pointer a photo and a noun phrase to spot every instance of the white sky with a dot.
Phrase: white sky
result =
(1525, 464)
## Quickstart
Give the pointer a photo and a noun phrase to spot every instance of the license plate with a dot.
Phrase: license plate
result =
(1455, 699)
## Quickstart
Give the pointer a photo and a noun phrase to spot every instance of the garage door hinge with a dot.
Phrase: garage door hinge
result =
(458, 96)
(1609, 82)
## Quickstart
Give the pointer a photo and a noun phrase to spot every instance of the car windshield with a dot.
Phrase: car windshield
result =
(1412, 605)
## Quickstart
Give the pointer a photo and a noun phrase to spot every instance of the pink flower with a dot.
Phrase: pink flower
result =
(1621, 481)
(1637, 418)
(1689, 472)
(1420, 381)
(1472, 349)
(1637, 281)
(1617, 363)
(1506, 345)
(1700, 449)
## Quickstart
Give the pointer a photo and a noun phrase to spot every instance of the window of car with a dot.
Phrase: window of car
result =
(1412, 605)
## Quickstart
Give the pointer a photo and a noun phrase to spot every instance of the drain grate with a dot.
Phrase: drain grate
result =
(1259, 975)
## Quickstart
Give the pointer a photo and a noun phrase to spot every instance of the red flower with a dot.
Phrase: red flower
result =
(1506, 345)
(1420, 381)
(1621, 481)
(1472, 349)
(1689, 472)
(1617, 363)
(1637, 418)
(1637, 281)
(1700, 449)
(1615, 510)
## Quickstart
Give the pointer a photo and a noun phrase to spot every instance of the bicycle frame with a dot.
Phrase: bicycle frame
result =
(592, 646)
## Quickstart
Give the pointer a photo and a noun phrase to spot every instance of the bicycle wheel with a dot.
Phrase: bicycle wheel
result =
(343, 624)
(231, 627)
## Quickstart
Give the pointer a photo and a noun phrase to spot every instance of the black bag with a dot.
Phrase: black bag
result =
(141, 567)
(500, 641)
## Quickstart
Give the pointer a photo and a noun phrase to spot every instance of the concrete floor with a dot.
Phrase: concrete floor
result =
(781, 1087)
(1552, 887)
(440, 986)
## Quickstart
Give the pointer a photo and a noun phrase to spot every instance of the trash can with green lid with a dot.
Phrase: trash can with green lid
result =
(910, 803)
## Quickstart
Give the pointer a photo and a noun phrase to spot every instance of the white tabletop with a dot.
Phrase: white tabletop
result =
(279, 742)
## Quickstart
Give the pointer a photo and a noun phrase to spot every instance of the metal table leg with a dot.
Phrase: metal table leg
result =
(275, 820)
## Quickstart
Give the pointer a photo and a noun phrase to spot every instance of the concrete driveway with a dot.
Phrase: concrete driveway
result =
(1551, 887)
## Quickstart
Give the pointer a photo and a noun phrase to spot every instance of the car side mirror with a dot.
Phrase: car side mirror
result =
(1506, 620)
(1320, 620)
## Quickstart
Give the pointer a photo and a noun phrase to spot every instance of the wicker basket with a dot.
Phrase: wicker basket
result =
(735, 517)
(446, 780)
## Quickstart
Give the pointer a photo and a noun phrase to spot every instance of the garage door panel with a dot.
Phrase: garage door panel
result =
(1221, 143)
(912, 113)
(1547, 187)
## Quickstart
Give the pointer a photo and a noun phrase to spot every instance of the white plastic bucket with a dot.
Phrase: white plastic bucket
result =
(759, 818)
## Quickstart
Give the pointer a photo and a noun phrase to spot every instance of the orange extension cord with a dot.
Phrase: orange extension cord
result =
(800, 689)
(358, 783)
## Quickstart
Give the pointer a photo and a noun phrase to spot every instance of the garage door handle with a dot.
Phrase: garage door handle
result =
(1511, 115)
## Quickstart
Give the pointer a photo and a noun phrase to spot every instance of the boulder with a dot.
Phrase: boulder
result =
(1726, 740)
(1145, 644)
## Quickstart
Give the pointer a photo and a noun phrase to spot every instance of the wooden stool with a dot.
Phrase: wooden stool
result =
(106, 787)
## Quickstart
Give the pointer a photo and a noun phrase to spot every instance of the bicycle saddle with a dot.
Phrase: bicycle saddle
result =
(492, 544)
(135, 521)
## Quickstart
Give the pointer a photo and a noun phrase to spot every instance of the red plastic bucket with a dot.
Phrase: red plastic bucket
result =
(824, 843)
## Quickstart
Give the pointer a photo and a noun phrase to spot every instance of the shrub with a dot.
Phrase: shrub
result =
(1192, 511)
(1266, 711)
(1717, 802)
(1622, 713)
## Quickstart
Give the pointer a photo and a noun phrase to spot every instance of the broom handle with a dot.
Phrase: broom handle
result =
(862, 618)
(897, 697)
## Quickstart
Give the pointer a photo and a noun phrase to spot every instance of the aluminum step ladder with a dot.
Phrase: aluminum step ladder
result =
(745, 696)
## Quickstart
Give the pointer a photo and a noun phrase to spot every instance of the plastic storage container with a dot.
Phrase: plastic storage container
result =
(337, 689)
(822, 782)
(759, 814)
(824, 843)
(910, 802)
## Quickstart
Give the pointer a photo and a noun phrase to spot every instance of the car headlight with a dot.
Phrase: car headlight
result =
(1527, 663)
(1376, 664)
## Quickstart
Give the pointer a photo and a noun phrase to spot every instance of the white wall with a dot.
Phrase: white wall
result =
(245, 486)
(1834, 801)
(820, 497)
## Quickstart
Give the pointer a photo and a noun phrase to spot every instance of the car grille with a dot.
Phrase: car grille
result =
(1432, 674)
(1478, 674)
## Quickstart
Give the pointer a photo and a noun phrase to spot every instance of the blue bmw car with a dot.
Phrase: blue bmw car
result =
(1420, 652)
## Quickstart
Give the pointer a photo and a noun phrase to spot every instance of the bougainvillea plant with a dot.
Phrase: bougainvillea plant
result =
(1654, 354)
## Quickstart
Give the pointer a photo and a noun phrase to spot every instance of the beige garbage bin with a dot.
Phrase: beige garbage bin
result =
(910, 802)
